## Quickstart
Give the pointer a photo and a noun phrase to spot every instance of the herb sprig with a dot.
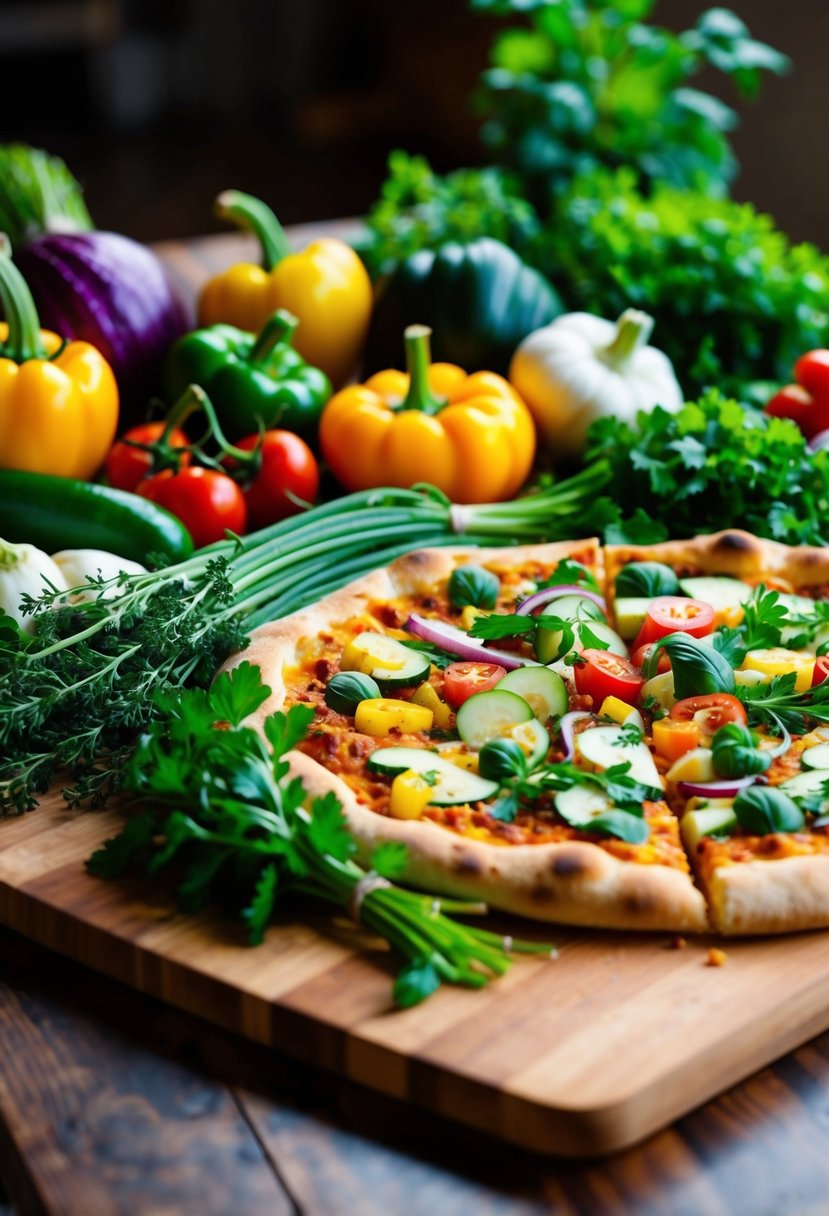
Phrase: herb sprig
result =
(218, 800)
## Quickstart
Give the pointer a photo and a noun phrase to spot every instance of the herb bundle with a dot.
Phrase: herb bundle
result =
(217, 799)
(75, 694)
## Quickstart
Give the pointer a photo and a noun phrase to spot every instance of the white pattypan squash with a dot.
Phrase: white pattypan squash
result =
(581, 368)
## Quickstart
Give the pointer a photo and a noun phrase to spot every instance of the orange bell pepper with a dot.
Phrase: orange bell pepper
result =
(325, 286)
(471, 436)
(672, 739)
(58, 401)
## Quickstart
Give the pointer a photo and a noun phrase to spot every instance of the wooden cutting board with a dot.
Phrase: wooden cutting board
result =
(580, 1055)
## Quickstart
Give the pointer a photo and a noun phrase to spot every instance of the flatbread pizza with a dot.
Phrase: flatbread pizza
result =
(622, 737)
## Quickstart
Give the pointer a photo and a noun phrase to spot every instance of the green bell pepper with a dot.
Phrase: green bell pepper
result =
(251, 379)
(479, 299)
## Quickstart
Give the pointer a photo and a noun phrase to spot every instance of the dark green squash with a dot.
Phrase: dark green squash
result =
(480, 301)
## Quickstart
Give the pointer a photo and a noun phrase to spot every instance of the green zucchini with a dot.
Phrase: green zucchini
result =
(54, 513)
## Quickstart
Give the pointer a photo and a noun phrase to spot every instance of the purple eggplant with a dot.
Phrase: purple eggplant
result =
(112, 292)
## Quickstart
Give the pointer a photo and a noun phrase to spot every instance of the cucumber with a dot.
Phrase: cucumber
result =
(816, 757)
(575, 608)
(532, 738)
(579, 805)
(810, 782)
(54, 513)
(630, 615)
(601, 749)
(388, 662)
(548, 641)
(542, 689)
(453, 786)
(718, 821)
(486, 715)
(721, 593)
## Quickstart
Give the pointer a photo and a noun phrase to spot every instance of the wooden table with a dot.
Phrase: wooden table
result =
(113, 1103)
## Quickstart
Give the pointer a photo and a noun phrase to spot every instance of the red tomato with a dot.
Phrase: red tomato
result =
(640, 656)
(675, 614)
(710, 712)
(207, 502)
(795, 403)
(821, 669)
(812, 372)
(462, 680)
(288, 468)
(604, 674)
(126, 466)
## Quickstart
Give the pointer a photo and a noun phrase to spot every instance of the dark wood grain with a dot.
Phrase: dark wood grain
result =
(111, 1102)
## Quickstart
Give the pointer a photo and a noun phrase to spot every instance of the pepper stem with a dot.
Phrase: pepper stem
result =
(24, 340)
(194, 400)
(418, 361)
(248, 212)
(278, 330)
(633, 329)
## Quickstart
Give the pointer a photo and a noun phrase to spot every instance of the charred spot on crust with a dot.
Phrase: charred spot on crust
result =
(468, 863)
(734, 542)
(568, 864)
(638, 901)
(542, 895)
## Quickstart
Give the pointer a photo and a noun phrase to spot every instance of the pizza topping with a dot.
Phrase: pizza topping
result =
(410, 795)
(427, 696)
(449, 638)
(448, 784)
(646, 579)
(589, 600)
(696, 669)
(487, 715)
(588, 807)
(600, 674)
(473, 586)
(463, 680)
(379, 716)
(762, 810)
(816, 757)
(347, 689)
(669, 614)
(737, 753)
(543, 690)
(388, 662)
(780, 662)
(673, 739)
(710, 712)
(696, 765)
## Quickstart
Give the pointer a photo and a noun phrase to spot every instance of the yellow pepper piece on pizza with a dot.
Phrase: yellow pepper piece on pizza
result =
(781, 662)
(429, 699)
(410, 794)
(379, 716)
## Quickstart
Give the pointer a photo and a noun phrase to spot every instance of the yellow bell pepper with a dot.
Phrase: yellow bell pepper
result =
(471, 436)
(326, 286)
(379, 716)
(58, 403)
(410, 794)
(429, 699)
(781, 662)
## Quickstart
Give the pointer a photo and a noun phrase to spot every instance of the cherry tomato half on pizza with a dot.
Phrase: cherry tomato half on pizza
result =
(710, 712)
(821, 671)
(600, 674)
(674, 614)
(462, 680)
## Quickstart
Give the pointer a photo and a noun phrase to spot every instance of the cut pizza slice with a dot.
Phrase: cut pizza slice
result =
(451, 716)
(729, 631)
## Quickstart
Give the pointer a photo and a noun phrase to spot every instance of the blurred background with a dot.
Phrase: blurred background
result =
(159, 104)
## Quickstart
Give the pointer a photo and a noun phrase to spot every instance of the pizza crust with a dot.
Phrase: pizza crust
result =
(777, 896)
(571, 882)
(734, 553)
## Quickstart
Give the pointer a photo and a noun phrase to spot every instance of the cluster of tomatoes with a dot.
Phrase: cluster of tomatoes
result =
(282, 478)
